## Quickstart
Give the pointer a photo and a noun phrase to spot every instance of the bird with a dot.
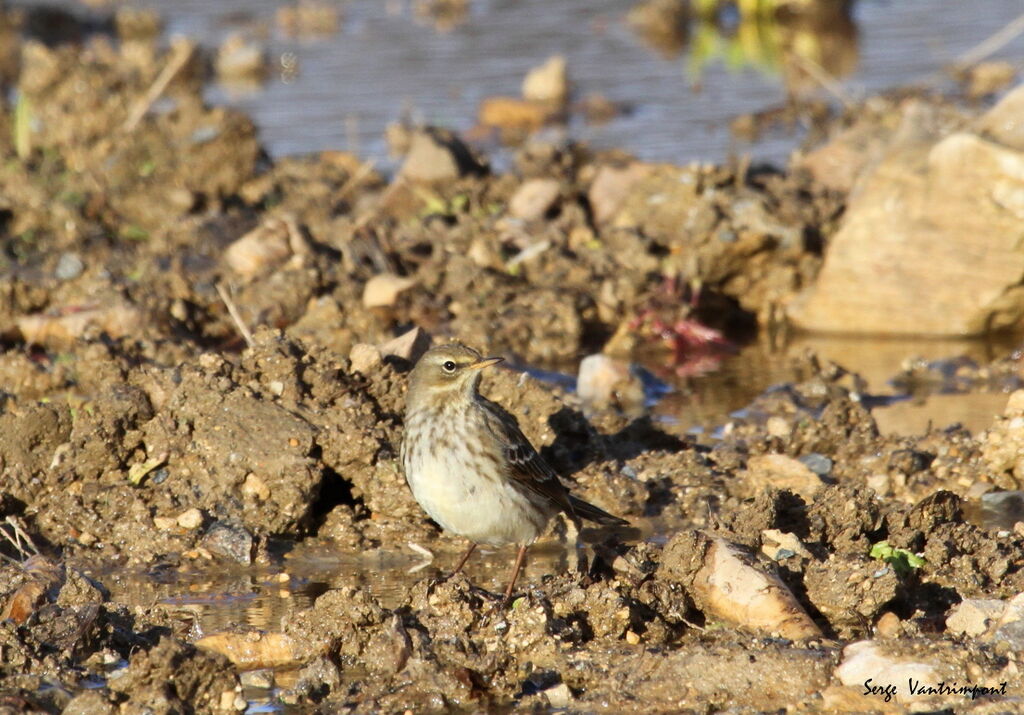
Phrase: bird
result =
(471, 468)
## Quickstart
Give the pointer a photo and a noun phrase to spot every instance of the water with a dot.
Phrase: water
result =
(386, 62)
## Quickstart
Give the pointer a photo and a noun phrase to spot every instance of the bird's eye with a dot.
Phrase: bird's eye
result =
(448, 366)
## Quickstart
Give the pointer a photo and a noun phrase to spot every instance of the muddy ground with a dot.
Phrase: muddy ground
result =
(139, 431)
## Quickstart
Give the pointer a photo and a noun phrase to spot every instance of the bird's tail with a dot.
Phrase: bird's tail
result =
(592, 513)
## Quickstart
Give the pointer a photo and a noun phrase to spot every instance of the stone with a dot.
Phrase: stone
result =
(973, 615)
(929, 245)
(534, 199)
(69, 266)
(987, 78)
(1002, 446)
(604, 381)
(1004, 122)
(610, 187)
(512, 114)
(363, 358)
(437, 155)
(383, 289)
(259, 251)
(866, 660)
(547, 83)
(408, 346)
(240, 59)
(190, 519)
(781, 472)
(229, 541)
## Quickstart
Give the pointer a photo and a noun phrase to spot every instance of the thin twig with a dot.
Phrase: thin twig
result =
(180, 54)
(24, 550)
(825, 80)
(991, 44)
(357, 178)
(235, 315)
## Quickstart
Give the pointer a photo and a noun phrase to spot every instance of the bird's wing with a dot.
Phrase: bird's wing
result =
(525, 465)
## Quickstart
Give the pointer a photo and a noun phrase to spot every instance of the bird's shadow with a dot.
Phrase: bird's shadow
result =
(578, 443)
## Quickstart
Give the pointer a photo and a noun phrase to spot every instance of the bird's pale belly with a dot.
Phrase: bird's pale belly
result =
(482, 509)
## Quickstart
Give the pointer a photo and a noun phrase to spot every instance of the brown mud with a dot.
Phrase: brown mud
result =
(140, 434)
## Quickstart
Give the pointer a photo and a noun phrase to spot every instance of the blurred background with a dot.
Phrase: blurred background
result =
(666, 80)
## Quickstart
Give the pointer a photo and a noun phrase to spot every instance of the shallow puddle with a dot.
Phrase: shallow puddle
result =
(678, 90)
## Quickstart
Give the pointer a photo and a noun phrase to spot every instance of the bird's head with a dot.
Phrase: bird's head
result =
(447, 372)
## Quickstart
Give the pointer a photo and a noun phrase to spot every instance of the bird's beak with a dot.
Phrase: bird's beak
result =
(485, 362)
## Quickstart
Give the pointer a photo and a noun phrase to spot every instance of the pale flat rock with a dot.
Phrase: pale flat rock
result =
(384, 288)
(781, 472)
(410, 345)
(973, 615)
(612, 185)
(604, 381)
(259, 251)
(1004, 123)
(930, 245)
(363, 358)
(548, 82)
(534, 199)
(437, 155)
(866, 661)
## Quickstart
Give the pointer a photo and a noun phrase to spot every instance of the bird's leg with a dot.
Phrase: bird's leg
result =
(520, 558)
(464, 559)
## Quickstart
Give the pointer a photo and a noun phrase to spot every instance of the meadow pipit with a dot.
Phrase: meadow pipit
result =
(469, 465)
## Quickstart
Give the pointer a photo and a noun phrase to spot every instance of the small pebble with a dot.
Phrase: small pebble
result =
(69, 266)
(190, 519)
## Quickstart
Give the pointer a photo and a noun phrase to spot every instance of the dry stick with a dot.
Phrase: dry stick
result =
(357, 178)
(181, 53)
(992, 44)
(235, 316)
(829, 83)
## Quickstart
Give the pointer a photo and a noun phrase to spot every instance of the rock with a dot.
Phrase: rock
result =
(116, 319)
(610, 186)
(888, 625)
(69, 266)
(559, 696)
(259, 251)
(408, 346)
(363, 358)
(1004, 122)
(781, 472)
(534, 199)
(240, 59)
(780, 545)
(308, 18)
(511, 114)
(973, 615)
(547, 83)
(229, 541)
(164, 523)
(438, 155)
(255, 488)
(1002, 445)
(866, 660)
(928, 246)
(384, 288)
(987, 78)
(90, 702)
(604, 381)
(250, 650)
(190, 519)
(725, 583)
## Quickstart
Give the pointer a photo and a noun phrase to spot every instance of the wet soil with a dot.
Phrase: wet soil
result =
(141, 435)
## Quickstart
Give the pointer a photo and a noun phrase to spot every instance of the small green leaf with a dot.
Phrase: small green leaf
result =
(902, 561)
